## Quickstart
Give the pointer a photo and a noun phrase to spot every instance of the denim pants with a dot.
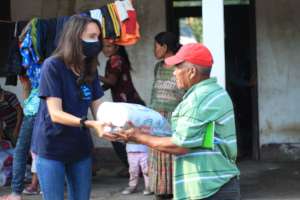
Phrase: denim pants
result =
(21, 153)
(52, 175)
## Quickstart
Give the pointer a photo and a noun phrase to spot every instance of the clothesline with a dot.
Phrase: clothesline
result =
(6, 21)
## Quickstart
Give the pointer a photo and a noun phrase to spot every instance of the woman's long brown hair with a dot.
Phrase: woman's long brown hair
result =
(69, 49)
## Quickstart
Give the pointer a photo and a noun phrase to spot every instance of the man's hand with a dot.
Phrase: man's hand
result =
(132, 133)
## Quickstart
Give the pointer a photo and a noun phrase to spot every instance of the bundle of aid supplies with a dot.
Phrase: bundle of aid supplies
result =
(119, 114)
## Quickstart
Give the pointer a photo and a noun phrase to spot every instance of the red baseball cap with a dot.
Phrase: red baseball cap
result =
(196, 53)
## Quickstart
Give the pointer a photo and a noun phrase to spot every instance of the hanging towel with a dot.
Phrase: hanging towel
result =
(121, 10)
(96, 14)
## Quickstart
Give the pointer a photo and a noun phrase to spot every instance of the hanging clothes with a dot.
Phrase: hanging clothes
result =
(59, 27)
(14, 59)
(48, 32)
(107, 26)
(131, 22)
(115, 20)
(31, 58)
(96, 14)
(130, 33)
(121, 10)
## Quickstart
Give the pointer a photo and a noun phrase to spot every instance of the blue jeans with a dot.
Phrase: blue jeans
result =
(52, 173)
(21, 153)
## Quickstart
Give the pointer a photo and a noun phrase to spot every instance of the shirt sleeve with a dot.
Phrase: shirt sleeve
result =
(50, 83)
(97, 90)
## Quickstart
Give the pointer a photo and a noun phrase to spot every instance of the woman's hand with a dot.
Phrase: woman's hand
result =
(99, 128)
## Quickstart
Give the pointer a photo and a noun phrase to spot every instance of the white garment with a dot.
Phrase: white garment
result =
(131, 147)
(96, 14)
(128, 5)
(122, 11)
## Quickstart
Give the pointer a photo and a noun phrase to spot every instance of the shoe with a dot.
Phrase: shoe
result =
(31, 191)
(129, 190)
(147, 192)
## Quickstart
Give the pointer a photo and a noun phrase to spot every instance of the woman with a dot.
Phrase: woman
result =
(164, 99)
(69, 86)
(118, 79)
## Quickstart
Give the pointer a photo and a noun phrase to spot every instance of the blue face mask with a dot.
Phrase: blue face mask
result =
(91, 48)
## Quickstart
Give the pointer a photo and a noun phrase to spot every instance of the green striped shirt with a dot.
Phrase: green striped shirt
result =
(202, 172)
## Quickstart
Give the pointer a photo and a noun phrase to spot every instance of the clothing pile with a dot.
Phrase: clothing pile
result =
(6, 158)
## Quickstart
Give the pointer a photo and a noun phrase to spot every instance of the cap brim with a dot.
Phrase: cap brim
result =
(172, 61)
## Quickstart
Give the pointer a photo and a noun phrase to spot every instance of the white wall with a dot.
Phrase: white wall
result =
(278, 60)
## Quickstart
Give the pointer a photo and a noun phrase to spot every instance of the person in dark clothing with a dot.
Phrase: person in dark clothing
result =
(68, 88)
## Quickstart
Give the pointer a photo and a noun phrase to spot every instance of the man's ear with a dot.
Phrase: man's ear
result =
(192, 72)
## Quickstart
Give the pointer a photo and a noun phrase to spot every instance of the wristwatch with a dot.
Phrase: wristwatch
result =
(82, 122)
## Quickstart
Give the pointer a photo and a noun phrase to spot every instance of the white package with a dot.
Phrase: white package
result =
(118, 114)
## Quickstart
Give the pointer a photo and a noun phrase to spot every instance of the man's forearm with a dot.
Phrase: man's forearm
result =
(164, 144)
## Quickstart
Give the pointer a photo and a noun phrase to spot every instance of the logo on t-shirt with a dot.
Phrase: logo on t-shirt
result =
(86, 92)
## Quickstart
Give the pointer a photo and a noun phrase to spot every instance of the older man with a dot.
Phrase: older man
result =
(201, 170)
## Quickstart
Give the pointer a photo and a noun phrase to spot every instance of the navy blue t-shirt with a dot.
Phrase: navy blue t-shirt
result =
(56, 141)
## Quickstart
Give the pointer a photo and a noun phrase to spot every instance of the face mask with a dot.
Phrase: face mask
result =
(91, 47)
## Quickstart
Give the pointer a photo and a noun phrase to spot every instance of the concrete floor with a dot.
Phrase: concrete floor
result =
(259, 181)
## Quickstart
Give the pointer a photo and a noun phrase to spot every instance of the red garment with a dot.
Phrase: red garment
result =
(131, 22)
(123, 90)
(128, 39)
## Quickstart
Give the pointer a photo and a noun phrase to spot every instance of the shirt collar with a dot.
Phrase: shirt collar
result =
(200, 84)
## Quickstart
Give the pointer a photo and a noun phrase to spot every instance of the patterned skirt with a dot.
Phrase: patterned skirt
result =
(160, 172)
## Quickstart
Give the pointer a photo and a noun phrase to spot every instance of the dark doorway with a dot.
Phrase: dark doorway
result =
(5, 31)
(240, 45)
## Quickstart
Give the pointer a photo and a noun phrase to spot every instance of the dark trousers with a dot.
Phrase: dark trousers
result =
(229, 191)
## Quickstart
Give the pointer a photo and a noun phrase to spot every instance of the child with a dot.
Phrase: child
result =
(138, 161)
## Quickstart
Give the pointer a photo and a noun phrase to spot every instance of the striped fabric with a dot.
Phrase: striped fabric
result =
(202, 172)
(8, 113)
(165, 95)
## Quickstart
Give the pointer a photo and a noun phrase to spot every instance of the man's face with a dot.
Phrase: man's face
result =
(181, 73)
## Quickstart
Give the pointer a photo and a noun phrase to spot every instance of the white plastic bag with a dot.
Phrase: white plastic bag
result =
(118, 114)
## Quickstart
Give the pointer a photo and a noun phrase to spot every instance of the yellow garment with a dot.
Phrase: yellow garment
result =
(114, 18)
